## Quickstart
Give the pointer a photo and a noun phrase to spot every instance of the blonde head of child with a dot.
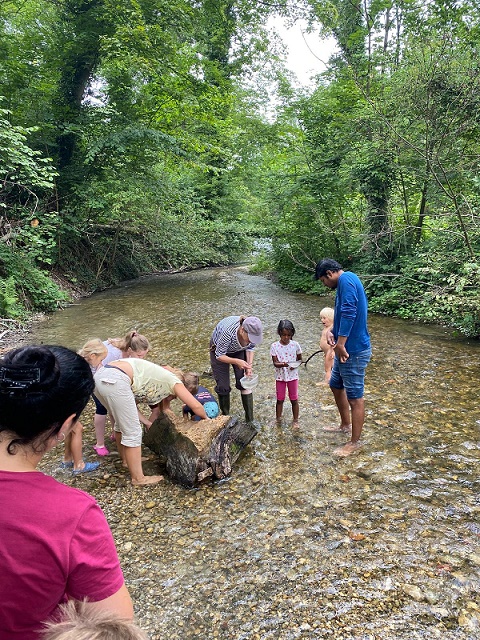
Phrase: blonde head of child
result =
(326, 316)
(191, 381)
(94, 351)
(78, 622)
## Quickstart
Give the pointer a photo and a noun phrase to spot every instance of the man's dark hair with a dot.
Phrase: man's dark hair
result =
(327, 264)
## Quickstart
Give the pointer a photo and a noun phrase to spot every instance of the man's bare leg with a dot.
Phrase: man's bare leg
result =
(343, 407)
(358, 418)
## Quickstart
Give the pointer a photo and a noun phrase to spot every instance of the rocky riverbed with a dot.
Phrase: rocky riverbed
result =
(15, 334)
(255, 558)
(384, 545)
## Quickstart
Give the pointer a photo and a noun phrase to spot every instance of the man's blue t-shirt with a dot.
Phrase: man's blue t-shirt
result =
(351, 310)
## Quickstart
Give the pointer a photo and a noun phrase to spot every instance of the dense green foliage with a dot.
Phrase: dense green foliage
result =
(382, 170)
(134, 138)
(119, 137)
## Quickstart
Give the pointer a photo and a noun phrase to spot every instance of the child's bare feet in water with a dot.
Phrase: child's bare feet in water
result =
(147, 480)
(347, 449)
(295, 425)
(343, 428)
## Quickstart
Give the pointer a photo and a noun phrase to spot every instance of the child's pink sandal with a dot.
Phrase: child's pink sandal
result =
(101, 451)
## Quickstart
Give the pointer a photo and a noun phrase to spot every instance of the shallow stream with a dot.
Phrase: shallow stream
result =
(296, 543)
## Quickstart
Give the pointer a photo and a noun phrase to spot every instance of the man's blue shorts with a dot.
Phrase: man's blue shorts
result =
(350, 375)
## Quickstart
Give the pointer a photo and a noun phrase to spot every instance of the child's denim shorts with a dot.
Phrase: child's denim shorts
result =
(351, 374)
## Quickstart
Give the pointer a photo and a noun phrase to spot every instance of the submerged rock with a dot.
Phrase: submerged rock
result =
(413, 591)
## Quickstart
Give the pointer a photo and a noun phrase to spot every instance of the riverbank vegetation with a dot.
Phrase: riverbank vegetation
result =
(142, 136)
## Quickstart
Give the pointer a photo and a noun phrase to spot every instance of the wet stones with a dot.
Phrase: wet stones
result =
(469, 617)
(413, 591)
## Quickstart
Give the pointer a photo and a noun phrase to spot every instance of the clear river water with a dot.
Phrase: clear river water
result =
(297, 543)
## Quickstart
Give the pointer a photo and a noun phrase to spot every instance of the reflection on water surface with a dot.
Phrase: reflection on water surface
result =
(298, 544)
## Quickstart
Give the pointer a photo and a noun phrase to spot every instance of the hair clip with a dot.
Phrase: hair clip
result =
(13, 378)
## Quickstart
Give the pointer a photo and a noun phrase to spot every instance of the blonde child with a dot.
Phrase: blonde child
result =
(79, 623)
(326, 318)
(200, 393)
(93, 352)
(284, 352)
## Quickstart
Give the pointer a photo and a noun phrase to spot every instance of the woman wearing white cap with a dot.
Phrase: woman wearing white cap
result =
(232, 343)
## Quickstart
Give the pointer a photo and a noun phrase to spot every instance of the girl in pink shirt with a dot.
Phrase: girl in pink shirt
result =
(284, 352)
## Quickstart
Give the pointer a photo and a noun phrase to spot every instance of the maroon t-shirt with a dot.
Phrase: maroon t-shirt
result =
(55, 544)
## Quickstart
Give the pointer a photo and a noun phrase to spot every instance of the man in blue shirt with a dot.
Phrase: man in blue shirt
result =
(351, 342)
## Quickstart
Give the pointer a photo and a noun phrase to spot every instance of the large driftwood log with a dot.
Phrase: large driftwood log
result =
(198, 450)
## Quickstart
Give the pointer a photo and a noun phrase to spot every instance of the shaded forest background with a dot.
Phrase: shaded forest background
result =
(144, 135)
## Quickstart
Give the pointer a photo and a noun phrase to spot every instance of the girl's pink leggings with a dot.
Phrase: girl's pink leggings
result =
(282, 385)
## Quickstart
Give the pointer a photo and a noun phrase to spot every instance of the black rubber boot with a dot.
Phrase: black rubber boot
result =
(247, 401)
(224, 404)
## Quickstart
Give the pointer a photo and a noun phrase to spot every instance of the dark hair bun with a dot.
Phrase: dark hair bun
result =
(27, 370)
(40, 387)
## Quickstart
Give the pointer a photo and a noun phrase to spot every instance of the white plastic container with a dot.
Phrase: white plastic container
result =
(295, 364)
(249, 382)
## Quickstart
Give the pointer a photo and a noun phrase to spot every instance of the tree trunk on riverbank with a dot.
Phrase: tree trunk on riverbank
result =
(198, 450)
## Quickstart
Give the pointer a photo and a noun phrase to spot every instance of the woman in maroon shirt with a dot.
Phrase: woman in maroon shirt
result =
(55, 543)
